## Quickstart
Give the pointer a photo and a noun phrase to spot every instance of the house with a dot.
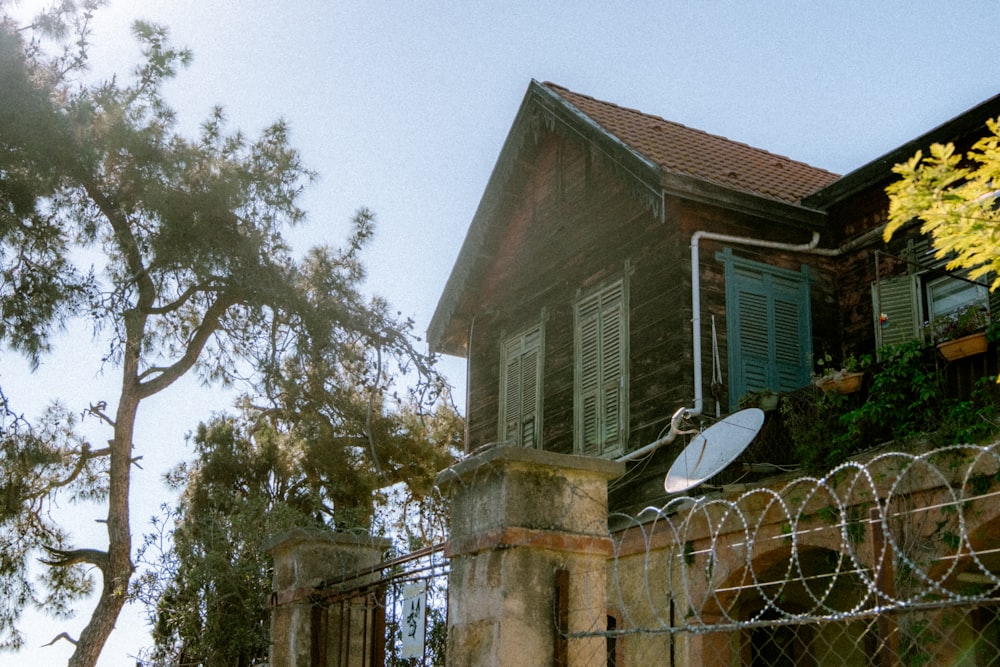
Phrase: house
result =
(625, 278)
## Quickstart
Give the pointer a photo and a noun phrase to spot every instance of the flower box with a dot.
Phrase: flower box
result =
(841, 383)
(963, 347)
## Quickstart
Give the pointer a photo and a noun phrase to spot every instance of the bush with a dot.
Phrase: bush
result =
(904, 399)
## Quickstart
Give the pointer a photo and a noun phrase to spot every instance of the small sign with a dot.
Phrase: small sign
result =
(412, 623)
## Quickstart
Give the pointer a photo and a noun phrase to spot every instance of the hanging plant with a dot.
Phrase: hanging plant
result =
(845, 379)
(960, 334)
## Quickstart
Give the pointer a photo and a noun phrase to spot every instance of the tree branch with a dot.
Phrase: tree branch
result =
(176, 303)
(85, 454)
(64, 558)
(61, 635)
(98, 411)
(126, 241)
(209, 324)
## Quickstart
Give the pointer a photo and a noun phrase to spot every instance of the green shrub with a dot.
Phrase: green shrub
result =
(904, 399)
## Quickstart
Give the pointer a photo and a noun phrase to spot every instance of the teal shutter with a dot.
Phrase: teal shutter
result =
(899, 300)
(601, 371)
(520, 391)
(769, 327)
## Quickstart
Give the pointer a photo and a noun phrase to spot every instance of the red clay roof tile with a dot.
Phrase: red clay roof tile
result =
(678, 149)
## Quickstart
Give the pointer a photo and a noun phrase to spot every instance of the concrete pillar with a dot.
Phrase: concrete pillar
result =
(309, 566)
(521, 521)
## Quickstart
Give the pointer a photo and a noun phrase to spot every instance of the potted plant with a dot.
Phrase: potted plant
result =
(845, 379)
(765, 399)
(961, 333)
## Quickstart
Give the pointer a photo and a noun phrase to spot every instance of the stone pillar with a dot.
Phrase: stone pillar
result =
(308, 564)
(521, 521)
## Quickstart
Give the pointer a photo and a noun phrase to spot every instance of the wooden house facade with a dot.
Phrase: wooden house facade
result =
(625, 276)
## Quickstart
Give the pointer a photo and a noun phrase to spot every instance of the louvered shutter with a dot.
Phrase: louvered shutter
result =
(792, 332)
(769, 327)
(520, 393)
(898, 299)
(754, 340)
(994, 297)
(613, 369)
(589, 377)
(601, 371)
(529, 389)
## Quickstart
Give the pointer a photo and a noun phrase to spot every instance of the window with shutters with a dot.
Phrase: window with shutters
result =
(601, 377)
(521, 388)
(769, 327)
(903, 304)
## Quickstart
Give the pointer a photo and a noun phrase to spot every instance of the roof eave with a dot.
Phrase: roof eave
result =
(720, 196)
(968, 124)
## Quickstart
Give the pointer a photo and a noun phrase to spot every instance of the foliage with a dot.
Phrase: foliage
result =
(827, 370)
(905, 399)
(207, 596)
(954, 198)
(964, 322)
(37, 458)
(172, 249)
(976, 419)
(825, 366)
(812, 417)
(902, 399)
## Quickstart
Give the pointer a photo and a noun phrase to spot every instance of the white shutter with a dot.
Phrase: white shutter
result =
(529, 389)
(589, 378)
(898, 299)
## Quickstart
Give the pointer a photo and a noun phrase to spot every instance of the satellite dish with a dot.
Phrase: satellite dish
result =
(713, 449)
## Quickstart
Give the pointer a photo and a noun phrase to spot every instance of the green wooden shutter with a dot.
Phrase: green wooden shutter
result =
(601, 371)
(769, 327)
(792, 332)
(754, 340)
(898, 299)
(520, 393)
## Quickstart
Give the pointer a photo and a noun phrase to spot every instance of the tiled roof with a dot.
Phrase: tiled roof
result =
(678, 149)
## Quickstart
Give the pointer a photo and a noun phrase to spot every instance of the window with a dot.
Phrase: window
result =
(601, 377)
(946, 295)
(769, 327)
(903, 304)
(521, 388)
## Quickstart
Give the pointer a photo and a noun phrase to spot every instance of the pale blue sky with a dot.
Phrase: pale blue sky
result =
(403, 107)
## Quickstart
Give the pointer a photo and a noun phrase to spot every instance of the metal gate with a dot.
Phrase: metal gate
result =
(364, 625)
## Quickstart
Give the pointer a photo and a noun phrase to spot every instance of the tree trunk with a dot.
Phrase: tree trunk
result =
(119, 567)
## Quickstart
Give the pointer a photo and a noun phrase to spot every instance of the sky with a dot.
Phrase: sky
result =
(402, 107)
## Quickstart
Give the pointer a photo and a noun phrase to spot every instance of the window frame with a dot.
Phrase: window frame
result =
(903, 304)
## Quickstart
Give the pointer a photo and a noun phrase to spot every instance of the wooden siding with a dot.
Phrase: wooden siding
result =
(570, 225)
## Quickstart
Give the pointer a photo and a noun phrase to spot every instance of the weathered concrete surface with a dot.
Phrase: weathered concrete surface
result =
(305, 561)
(518, 516)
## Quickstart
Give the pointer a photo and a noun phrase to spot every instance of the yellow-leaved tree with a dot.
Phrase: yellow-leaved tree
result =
(955, 197)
